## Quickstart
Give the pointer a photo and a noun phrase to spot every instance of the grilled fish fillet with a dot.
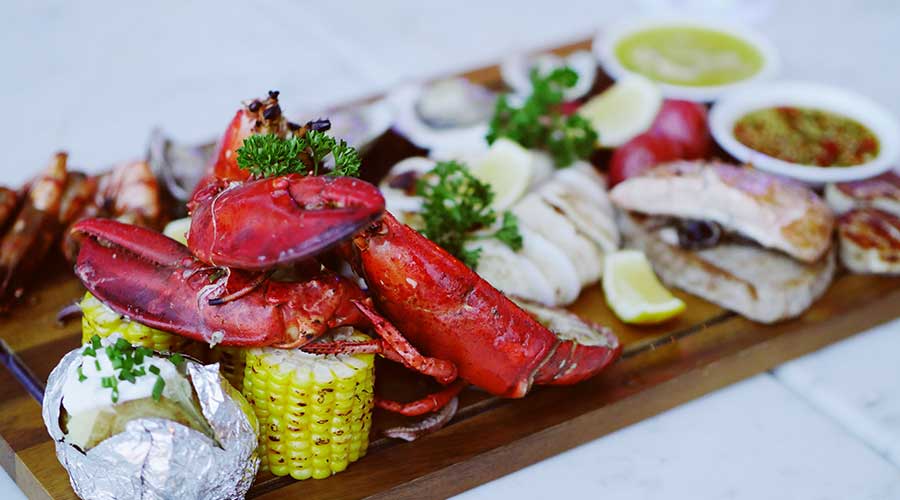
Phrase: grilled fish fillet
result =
(761, 284)
(774, 212)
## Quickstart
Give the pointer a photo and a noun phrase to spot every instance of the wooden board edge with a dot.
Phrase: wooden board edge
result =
(794, 341)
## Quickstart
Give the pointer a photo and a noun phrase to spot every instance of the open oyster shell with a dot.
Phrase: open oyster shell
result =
(447, 114)
(516, 71)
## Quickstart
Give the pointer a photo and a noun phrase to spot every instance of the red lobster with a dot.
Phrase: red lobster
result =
(224, 287)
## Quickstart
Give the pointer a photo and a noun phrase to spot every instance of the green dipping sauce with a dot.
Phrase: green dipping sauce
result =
(689, 56)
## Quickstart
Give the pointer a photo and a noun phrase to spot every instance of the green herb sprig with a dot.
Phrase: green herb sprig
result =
(268, 155)
(538, 122)
(455, 204)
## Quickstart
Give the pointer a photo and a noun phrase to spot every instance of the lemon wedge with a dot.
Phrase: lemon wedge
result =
(178, 230)
(623, 111)
(633, 291)
(507, 168)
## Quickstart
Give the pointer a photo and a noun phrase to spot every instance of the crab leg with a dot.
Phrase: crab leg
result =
(428, 404)
(443, 371)
(391, 345)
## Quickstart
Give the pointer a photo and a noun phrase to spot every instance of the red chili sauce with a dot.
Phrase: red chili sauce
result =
(807, 136)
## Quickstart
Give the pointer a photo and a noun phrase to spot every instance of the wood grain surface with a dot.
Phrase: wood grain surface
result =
(663, 366)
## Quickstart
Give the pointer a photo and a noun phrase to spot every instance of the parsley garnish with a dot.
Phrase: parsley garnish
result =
(538, 123)
(267, 155)
(509, 231)
(455, 204)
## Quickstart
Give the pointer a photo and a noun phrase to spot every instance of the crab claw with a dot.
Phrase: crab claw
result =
(155, 280)
(267, 222)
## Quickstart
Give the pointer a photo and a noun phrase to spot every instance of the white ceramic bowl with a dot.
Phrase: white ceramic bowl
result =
(606, 40)
(806, 95)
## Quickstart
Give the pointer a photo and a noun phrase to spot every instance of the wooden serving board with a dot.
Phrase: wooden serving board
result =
(663, 366)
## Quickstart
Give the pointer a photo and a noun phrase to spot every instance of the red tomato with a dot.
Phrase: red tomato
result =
(569, 107)
(639, 155)
(685, 124)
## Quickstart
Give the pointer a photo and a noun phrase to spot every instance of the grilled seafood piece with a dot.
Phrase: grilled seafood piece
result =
(870, 241)
(777, 258)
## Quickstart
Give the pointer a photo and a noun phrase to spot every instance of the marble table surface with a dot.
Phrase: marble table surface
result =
(95, 77)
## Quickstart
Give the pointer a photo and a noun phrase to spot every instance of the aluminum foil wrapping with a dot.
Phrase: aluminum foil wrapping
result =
(160, 459)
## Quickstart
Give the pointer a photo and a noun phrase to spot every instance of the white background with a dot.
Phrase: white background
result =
(94, 77)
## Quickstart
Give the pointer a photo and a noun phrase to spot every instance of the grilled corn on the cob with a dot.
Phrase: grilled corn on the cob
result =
(98, 319)
(314, 411)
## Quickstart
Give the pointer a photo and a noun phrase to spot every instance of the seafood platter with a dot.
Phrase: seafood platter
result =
(417, 293)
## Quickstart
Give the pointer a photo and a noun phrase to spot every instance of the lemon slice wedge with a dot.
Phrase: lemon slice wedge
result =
(178, 230)
(623, 111)
(633, 291)
(507, 168)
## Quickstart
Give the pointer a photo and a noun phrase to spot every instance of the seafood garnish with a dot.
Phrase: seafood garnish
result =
(566, 218)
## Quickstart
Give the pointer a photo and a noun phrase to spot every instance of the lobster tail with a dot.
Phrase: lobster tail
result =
(451, 313)
(583, 348)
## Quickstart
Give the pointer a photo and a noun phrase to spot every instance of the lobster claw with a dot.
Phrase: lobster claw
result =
(267, 222)
(155, 280)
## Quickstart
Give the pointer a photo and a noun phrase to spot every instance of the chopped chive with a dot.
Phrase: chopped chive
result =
(123, 345)
(138, 357)
(108, 382)
(139, 372)
(89, 351)
(95, 341)
(115, 395)
(81, 376)
(97, 364)
(154, 369)
(176, 359)
(158, 388)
